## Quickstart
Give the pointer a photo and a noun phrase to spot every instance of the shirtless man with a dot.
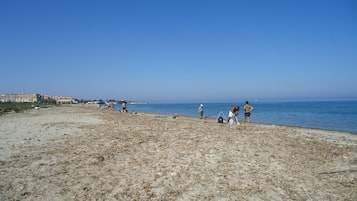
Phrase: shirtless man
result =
(233, 114)
(111, 105)
(247, 109)
(123, 106)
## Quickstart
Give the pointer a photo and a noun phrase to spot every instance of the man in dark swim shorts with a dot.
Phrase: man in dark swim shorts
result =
(247, 109)
(123, 106)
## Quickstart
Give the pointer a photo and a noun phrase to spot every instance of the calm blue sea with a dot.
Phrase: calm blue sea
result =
(327, 115)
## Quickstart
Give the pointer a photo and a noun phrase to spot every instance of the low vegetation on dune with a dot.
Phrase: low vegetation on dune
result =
(20, 107)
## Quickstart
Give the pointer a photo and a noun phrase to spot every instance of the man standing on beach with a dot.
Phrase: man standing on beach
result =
(111, 105)
(123, 106)
(200, 111)
(247, 109)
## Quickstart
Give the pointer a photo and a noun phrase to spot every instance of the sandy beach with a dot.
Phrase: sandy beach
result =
(79, 152)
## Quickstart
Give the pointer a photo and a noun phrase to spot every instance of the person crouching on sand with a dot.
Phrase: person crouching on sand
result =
(233, 114)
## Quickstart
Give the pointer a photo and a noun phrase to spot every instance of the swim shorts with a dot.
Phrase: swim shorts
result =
(247, 114)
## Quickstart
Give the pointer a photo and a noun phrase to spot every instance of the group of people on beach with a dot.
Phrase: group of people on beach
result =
(233, 113)
(123, 106)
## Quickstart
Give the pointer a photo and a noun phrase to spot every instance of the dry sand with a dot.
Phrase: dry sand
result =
(86, 153)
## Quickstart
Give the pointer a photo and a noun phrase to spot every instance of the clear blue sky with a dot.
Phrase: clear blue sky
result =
(180, 50)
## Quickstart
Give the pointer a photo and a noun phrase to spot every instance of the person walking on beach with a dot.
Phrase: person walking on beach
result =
(200, 111)
(111, 105)
(247, 109)
(123, 106)
(233, 114)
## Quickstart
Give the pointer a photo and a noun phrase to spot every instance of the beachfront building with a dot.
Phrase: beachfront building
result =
(36, 98)
(64, 99)
(21, 98)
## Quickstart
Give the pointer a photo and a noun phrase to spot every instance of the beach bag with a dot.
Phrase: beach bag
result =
(220, 120)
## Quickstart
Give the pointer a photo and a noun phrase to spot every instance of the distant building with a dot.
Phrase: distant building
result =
(21, 98)
(64, 99)
(35, 98)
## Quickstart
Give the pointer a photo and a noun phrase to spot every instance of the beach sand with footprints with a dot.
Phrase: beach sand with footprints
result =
(80, 152)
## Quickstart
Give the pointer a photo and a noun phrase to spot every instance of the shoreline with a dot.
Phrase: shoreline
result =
(85, 153)
(253, 122)
(328, 115)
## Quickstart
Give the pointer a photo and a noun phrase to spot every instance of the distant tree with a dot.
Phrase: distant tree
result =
(49, 101)
(82, 101)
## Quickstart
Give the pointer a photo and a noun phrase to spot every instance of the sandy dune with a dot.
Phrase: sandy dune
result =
(86, 153)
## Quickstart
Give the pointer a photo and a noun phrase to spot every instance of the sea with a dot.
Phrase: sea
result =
(326, 115)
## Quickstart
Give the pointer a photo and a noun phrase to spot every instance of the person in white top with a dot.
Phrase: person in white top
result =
(233, 114)
(200, 111)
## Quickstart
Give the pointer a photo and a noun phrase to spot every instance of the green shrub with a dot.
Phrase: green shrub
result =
(19, 107)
